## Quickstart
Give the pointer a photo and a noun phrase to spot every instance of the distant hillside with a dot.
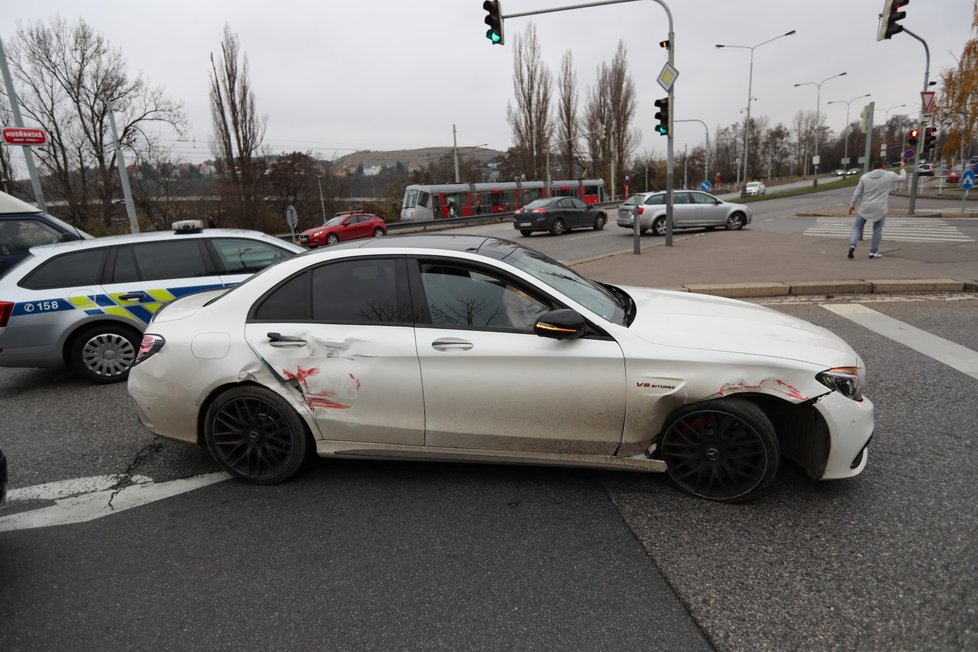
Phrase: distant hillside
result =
(422, 157)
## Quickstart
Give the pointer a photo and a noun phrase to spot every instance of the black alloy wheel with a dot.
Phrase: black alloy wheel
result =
(558, 227)
(600, 221)
(723, 450)
(256, 435)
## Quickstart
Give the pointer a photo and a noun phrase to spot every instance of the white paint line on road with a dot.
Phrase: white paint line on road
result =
(953, 355)
(93, 504)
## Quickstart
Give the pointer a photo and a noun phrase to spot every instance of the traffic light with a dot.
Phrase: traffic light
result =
(912, 136)
(930, 136)
(495, 21)
(662, 115)
(890, 19)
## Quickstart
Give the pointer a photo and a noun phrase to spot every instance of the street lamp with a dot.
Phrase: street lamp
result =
(750, 83)
(818, 101)
(845, 156)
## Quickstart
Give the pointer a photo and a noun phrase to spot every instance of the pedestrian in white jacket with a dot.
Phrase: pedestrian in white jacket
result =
(872, 195)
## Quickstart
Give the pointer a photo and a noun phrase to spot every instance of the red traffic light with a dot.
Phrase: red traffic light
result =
(913, 136)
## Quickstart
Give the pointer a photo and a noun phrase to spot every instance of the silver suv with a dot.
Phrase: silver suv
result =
(85, 304)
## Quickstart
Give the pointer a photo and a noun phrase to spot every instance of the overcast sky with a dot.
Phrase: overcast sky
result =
(335, 77)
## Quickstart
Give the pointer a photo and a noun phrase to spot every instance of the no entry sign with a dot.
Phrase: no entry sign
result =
(24, 136)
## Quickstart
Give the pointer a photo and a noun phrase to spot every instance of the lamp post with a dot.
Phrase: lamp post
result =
(750, 83)
(818, 101)
(883, 128)
(845, 156)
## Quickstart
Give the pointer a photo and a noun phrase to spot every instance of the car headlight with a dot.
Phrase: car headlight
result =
(845, 380)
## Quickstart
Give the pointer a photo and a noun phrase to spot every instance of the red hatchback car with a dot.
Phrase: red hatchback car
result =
(345, 226)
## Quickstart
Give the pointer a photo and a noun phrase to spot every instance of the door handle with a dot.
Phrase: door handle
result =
(451, 344)
(132, 296)
(282, 341)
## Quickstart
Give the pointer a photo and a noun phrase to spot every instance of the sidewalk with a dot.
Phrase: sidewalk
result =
(752, 263)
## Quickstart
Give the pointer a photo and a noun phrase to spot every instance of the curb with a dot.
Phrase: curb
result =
(811, 288)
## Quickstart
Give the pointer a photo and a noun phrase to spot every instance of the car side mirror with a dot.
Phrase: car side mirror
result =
(561, 324)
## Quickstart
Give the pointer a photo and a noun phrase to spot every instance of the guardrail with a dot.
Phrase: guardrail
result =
(458, 222)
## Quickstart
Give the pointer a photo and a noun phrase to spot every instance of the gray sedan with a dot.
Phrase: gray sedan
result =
(691, 209)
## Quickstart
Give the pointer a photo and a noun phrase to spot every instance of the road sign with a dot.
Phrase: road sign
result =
(706, 185)
(968, 179)
(927, 99)
(291, 216)
(909, 154)
(24, 136)
(667, 77)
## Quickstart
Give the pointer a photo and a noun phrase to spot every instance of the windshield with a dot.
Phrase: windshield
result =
(410, 198)
(583, 290)
(336, 221)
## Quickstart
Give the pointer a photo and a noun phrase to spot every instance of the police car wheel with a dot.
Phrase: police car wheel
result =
(105, 353)
(256, 435)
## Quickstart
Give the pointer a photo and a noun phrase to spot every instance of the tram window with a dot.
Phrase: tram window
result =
(410, 199)
(423, 199)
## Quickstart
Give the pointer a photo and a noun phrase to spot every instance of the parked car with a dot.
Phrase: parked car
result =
(342, 227)
(23, 226)
(558, 215)
(628, 207)
(756, 188)
(925, 170)
(472, 348)
(954, 174)
(85, 303)
(691, 208)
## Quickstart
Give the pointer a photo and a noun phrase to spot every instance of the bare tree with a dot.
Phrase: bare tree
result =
(530, 120)
(69, 79)
(608, 116)
(238, 132)
(568, 127)
(597, 122)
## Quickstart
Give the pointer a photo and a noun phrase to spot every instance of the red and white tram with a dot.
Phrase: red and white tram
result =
(444, 201)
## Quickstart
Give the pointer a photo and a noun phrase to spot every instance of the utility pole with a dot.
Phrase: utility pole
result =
(921, 122)
(455, 150)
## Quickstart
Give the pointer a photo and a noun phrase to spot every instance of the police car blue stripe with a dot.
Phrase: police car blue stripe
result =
(180, 292)
(140, 313)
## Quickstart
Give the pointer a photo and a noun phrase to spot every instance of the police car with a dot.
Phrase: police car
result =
(85, 304)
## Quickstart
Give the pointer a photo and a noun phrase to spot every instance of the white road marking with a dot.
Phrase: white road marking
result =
(896, 229)
(953, 355)
(85, 499)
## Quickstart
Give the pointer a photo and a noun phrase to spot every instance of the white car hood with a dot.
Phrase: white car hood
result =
(698, 321)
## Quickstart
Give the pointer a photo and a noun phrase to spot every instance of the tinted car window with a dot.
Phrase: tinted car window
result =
(460, 297)
(656, 200)
(702, 198)
(170, 259)
(239, 256)
(67, 270)
(289, 302)
(355, 292)
(124, 270)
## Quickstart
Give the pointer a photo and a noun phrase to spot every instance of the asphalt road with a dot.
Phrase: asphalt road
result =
(360, 555)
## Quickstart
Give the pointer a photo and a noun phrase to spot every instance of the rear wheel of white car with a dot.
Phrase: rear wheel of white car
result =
(104, 353)
(256, 435)
(736, 221)
(659, 225)
(724, 450)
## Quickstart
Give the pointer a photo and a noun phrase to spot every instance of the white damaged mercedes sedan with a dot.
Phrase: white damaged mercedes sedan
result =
(476, 349)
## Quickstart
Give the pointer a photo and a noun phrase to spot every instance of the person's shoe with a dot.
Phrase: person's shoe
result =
(852, 250)
(875, 255)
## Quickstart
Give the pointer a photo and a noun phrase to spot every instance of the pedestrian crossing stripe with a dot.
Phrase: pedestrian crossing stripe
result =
(896, 229)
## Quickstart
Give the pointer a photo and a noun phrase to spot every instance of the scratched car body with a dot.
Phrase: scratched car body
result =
(472, 348)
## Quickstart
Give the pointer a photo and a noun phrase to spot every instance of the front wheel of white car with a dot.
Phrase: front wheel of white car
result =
(724, 450)
(736, 221)
(255, 435)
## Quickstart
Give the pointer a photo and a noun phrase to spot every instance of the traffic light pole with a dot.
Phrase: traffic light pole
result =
(671, 48)
(922, 137)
